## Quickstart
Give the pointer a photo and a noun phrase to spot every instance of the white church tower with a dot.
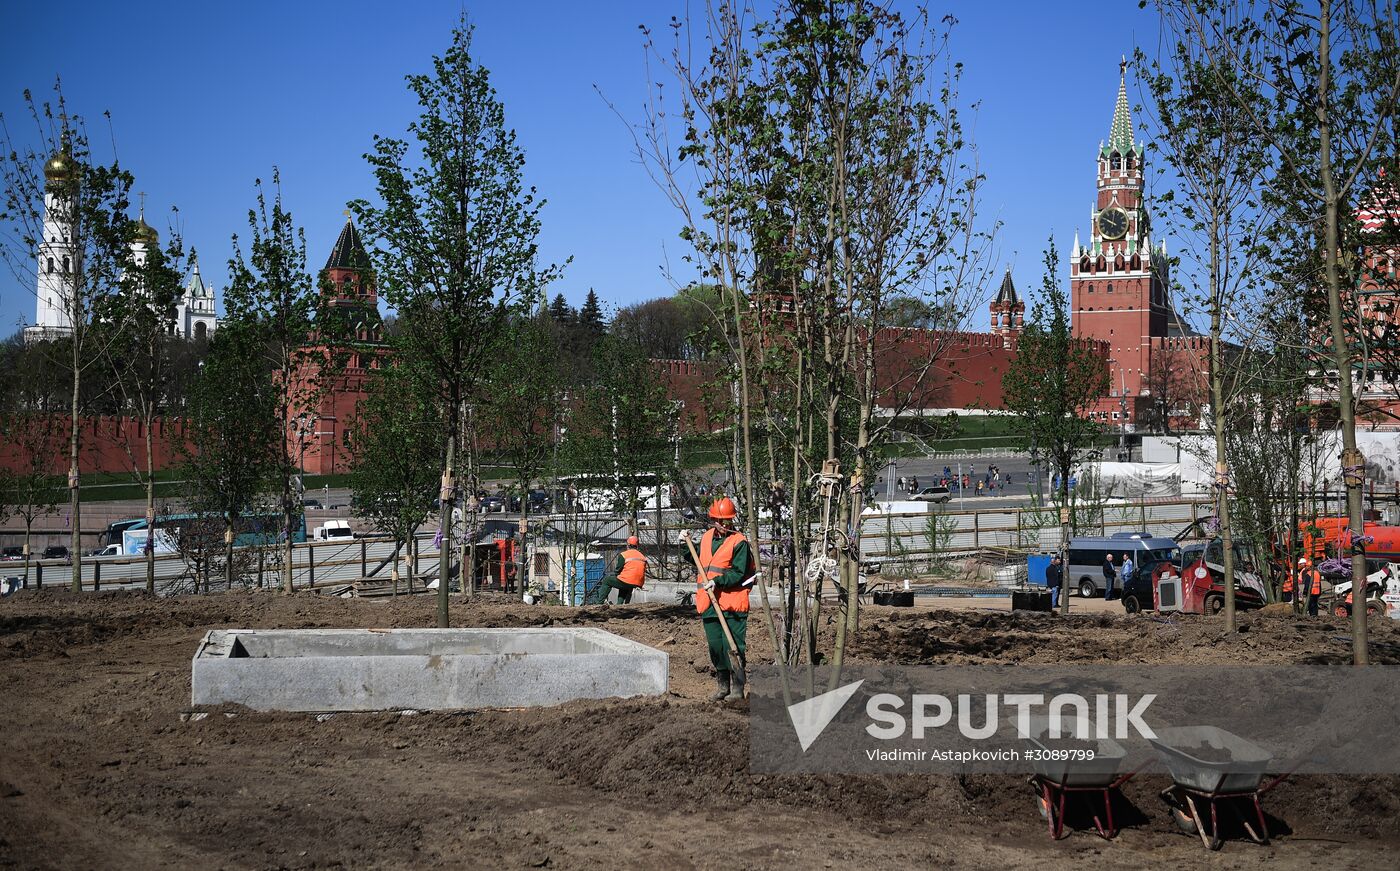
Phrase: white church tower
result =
(58, 252)
(194, 316)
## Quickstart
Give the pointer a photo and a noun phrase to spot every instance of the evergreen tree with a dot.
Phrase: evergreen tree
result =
(590, 315)
(560, 310)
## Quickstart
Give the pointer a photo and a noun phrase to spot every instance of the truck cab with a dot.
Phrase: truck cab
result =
(334, 530)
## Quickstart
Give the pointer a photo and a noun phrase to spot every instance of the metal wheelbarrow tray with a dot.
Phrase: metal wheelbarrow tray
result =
(1055, 778)
(1211, 781)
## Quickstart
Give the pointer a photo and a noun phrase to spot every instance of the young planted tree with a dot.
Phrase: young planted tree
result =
(232, 458)
(142, 324)
(397, 448)
(272, 293)
(453, 243)
(623, 427)
(823, 173)
(64, 230)
(523, 402)
(1050, 388)
(1220, 165)
(1329, 75)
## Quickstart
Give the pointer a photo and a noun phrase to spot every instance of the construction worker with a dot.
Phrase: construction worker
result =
(1289, 580)
(629, 574)
(726, 570)
(1310, 578)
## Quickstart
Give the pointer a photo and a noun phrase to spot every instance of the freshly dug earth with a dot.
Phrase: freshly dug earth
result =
(100, 770)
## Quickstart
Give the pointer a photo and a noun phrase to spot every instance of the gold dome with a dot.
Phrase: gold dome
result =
(58, 167)
(145, 232)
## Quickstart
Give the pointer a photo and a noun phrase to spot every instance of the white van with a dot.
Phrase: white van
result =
(334, 530)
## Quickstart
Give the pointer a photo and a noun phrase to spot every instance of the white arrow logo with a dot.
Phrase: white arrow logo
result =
(810, 718)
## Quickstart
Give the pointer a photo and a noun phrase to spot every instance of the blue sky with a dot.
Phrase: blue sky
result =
(207, 97)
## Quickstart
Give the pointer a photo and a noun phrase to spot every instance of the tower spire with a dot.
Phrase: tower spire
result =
(1120, 134)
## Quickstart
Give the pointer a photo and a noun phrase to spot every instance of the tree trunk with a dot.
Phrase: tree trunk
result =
(74, 495)
(445, 515)
(28, 534)
(1353, 464)
(1217, 401)
(228, 552)
(150, 510)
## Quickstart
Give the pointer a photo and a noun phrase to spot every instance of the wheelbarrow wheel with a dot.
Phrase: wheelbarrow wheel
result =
(1183, 821)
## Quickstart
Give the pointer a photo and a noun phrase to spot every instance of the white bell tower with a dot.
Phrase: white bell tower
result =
(57, 257)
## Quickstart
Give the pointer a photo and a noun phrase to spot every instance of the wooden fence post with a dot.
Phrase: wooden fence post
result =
(364, 556)
(976, 530)
(310, 565)
(96, 575)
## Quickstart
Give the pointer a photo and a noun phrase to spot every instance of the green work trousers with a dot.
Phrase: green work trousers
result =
(624, 590)
(738, 623)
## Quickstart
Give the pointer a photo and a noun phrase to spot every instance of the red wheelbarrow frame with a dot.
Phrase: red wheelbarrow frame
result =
(1053, 795)
(1176, 795)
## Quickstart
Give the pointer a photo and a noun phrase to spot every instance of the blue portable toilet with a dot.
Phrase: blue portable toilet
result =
(585, 576)
(1036, 564)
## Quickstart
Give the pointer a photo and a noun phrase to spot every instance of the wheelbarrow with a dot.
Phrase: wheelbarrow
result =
(1061, 770)
(1230, 774)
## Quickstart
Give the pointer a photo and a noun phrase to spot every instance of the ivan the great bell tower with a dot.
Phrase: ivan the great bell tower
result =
(1118, 282)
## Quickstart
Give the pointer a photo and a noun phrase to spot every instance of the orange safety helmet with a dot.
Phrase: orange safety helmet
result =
(632, 540)
(723, 509)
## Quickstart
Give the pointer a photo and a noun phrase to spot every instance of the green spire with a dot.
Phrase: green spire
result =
(1120, 135)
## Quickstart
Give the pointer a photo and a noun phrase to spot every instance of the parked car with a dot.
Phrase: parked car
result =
(933, 494)
(109, 550)
(311, 503)
(13, 552)
(493, 503)
(334, 530)
(55, 551)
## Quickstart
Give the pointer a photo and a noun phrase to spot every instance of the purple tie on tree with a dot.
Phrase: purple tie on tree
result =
(437, 539)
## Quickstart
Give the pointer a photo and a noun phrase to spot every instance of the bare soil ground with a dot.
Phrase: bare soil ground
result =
(99, 770)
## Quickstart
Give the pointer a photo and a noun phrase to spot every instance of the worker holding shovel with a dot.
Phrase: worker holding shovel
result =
(726, 572)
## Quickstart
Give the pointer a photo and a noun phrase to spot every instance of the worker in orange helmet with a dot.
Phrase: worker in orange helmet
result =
(629, 574)
(727, 570)
(1309, 584)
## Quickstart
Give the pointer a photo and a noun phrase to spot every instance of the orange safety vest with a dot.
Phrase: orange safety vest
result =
(714, 565)
(634, 568)
(1288, 582)
(1316, 581)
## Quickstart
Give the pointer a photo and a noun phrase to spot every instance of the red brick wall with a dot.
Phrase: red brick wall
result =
(107, 444)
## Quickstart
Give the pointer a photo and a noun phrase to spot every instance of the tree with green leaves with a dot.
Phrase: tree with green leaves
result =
(141, 323)
(1219, 166)
(397, 453)
(59, 198)
(1051, 386)
(31, 490)
(590, 316)
(271, 292)
(232, 459)
(623, 427)
(453, 243)
(523, 403)
(1328, 80)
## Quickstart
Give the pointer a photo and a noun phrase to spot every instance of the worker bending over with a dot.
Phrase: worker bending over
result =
(727, 570)
(629, 574)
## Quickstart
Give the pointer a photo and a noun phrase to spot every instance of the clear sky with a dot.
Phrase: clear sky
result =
(207, 97)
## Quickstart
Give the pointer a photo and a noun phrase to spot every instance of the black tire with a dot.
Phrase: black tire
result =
(1215, 604)
(1086, 589)
(1130, 604)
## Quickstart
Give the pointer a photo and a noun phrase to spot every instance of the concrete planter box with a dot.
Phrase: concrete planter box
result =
(420, 669)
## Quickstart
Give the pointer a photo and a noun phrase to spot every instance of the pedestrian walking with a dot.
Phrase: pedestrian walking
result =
(900, 483)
